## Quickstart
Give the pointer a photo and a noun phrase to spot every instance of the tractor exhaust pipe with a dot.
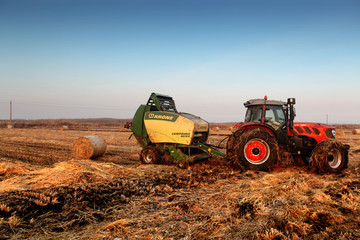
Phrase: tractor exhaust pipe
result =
(291, 103)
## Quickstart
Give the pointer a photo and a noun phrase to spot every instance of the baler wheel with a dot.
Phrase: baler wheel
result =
(254, 149)
(329, 156)
(150, 155)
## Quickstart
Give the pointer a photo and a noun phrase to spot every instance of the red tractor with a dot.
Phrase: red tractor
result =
(269, 131)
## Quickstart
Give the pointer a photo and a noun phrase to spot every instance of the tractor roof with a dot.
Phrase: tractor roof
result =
(253, 102)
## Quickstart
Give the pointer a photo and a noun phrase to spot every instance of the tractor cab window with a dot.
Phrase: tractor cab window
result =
(253, 114)
(274, 115)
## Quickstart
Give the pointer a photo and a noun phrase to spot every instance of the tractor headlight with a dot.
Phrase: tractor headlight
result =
(333, 132)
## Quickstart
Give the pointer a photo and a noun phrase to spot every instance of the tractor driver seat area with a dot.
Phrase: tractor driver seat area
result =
(274, 115)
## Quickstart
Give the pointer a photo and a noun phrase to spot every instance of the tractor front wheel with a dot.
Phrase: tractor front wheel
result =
(254, 149)
(150, 155)
(329, 156)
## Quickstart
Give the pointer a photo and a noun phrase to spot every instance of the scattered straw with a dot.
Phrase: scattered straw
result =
(78, 171)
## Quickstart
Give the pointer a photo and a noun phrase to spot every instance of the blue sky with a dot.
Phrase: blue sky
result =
(86, 59)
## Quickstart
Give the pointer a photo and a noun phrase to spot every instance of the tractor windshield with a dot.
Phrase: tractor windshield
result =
(274, 115)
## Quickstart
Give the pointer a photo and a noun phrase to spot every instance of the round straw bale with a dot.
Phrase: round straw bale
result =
(64, 127)
(215, 129)
(356, 131)
(89, 147)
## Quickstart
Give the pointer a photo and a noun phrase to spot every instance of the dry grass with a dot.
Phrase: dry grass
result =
(64, 173)
(77, 172)
(10, 169)
(45, 194)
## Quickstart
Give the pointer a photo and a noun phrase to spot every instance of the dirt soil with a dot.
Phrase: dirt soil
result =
(45, 193)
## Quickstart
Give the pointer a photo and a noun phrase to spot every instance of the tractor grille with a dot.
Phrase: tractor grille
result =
(307, 130)
(316, 131)
(313, 131)
(299, 130)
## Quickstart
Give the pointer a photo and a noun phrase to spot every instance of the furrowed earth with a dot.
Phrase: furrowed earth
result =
(45, 193)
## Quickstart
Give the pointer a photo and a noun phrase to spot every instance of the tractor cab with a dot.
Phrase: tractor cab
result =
(276, 116)
(272, 113)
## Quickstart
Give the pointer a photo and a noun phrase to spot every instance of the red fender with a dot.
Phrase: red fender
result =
(245, 126)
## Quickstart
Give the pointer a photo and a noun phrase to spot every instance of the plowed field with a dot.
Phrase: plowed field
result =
(47, 194)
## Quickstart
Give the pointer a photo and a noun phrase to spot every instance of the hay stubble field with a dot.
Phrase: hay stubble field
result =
(45, 193)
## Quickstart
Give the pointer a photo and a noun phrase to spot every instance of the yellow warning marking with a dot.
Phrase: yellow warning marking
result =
(209, 149)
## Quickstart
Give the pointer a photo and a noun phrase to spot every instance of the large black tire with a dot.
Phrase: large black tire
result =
(150, 155)
(329, 156)
(254, 149)
(231, 150)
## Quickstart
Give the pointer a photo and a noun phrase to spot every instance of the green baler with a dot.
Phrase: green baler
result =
(166, 134)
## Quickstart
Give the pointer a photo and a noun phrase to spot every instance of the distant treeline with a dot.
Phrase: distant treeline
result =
(105, 122)
(56, 123)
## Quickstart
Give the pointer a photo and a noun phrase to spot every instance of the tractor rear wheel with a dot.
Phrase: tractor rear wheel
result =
(254, 149)
(329, 156)
(150, 155)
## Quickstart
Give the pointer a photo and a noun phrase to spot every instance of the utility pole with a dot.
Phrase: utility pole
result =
(10, 112)
(10, 125)
(327, 119)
